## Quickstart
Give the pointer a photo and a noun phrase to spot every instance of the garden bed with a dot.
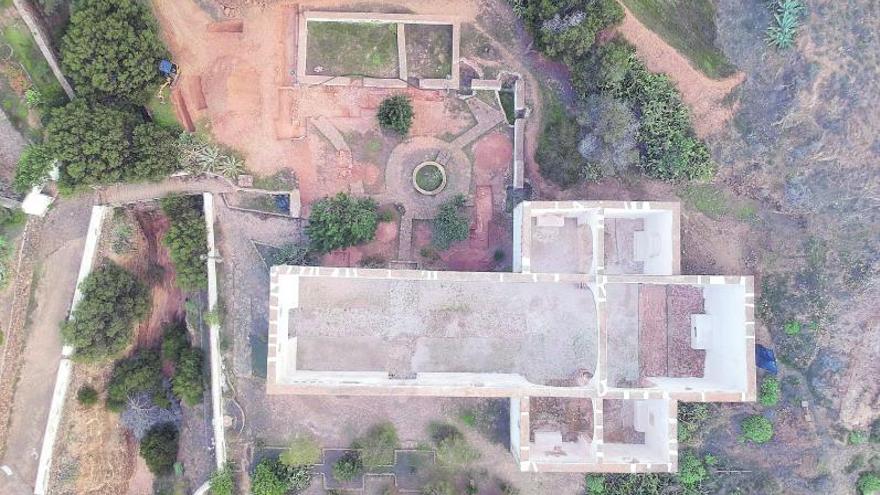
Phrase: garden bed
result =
(352, 49)
(429, 51)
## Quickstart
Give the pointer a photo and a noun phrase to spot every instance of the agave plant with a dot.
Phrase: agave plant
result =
(787, 15)
(199, 156)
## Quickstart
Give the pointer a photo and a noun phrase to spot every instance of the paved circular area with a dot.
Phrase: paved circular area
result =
(407, 156)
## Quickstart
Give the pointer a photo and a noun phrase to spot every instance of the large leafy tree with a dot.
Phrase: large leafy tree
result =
(154, 152)
(187, 381)
(159, 448)
(112, 49)
(567, 29)
(113, 300)
(451, 224)
(141, 373)
(341, 221)
(91, 141)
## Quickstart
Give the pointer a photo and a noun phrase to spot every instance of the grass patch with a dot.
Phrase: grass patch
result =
(26, 51)
(163, 113)
(706, 199)
(507, 104)
(352, 49)
(429, 51)
(689, 27)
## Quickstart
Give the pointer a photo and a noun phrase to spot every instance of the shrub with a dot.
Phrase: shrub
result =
(292, 254)
(274, 478)
(198, 155)
(112, 49)
(303, 451)
(341, 221)
(223, 481)
(857, 437)
(691, 470)
(140, 373)
(187, 240)
(567, 29)
(175, 340)
(604, 69)
(101, 325)
(453, 449)
(159, 448)
(757, 428)
(558, 156)
(868, 483)
(396, 114)
(769, 395)
(154, 152)
(691, 416)
(377, 446)
(87, 396)
(33, 168)
(90, 141)
(348, 467)
(595, 484)
(610, 131)
(187, 382)
(451, 225)
(792, 328)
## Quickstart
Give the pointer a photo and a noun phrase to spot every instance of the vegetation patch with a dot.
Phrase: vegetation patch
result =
(429, 177)
(558, 156)
(507, 97)
(352, 49)
(787, 15)
(396, 114)
(769, 393)
(223, 481)
(757, 429)
(377, 446)
(429, 50)
(159, 448)
(138, 374)
(451, 224)
(271, 477)
(349, 466)
(689, 27)
(691, 418)
(113, 300)
(341, 221)
(303, 451)
(187, 240)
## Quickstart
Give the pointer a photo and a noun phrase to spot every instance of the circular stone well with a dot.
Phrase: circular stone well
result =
(429, 178)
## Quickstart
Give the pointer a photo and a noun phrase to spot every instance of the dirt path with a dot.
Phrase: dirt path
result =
(62, 235)
(704, 96)
(11, 144)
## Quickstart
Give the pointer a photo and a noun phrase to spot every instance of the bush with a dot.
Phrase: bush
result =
(140, 373)
(857, 437)
(303, 451)
(348, 467)
(112, 49)
(452, 448)
(691, 416)
(101, 325)
(187, 382)
(868, 483)
(757, 428)
(87, 396)
(223, 481)
(33, 168)
(558, 156)
(90, 141)
(396, 114)
(451, 224)
(377, 446)
(595, 484)
(154, 152)
(159, 448)
(175, 340)
(187, 240)
(787, 18)
(341, 221)
(567, 29)
(273, 478)
(292, 254)
(610, 131)
(769, 395)
(198, 155)
(792, 327)
(691, 470)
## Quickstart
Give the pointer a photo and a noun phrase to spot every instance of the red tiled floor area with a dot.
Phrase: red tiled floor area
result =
(652, 331)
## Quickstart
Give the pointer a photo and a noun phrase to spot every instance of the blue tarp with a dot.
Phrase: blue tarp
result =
(765, 359)
(166, 67)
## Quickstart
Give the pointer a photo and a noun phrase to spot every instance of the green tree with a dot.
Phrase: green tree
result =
(451, 224)
(377, 446)
(223, 481)
(396, 113)
(567, 29)
(140, 373)
(159, 448)
(112, 49)
(274, 478)
(33, 168)
(558, 153)
(101, 325)
(610, 132)
(175, 340)
(154, 152)
(187, 240)
(90, 141)
(303, 451)
(341, 221)
(757, 429)
(187, 382)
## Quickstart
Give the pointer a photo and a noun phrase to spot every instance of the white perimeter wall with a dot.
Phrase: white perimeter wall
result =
(726, 357)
